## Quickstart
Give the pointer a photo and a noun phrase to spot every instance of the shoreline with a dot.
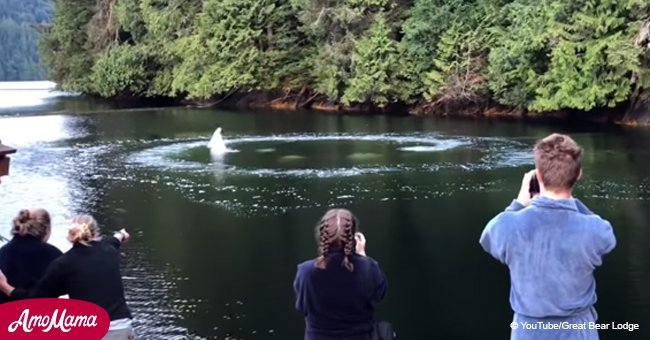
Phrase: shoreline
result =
(633, 114)
(630, 115)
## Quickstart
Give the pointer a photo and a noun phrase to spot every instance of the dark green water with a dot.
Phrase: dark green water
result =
(216, 241)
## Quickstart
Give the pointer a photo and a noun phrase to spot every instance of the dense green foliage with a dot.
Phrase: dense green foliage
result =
(375, 68)
(535, 54)
(19, 23)
(550, 55)
(238, 44)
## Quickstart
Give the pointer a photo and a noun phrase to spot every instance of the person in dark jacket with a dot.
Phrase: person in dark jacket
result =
(90, 271)
(338, 291)
(27, 255)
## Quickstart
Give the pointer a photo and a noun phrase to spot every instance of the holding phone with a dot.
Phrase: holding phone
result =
(533, 187)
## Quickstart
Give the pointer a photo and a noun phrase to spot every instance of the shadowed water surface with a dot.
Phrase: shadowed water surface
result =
(216, 240)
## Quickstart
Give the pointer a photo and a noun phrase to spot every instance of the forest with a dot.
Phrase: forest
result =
(535, 55)
(20, 22)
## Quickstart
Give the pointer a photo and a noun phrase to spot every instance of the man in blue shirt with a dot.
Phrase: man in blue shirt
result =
(552, 244)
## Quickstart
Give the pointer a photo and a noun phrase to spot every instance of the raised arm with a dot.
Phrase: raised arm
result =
(494, 237)
(119, 238)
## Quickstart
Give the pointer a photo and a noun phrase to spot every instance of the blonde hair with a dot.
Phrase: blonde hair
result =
(84, 229)
(36, 223)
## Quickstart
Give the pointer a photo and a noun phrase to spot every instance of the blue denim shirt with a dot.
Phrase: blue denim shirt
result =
(552, 248)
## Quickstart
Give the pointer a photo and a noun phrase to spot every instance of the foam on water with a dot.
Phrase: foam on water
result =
(363, 155)
(429, 140)
(289, 158)
(264, 197)
(159, 156)
(162, 156)
(317, 173)
(67, 170)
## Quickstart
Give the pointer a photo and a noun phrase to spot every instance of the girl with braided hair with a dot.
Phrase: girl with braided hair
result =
(337, 292)
(90, 271)
(24, 259)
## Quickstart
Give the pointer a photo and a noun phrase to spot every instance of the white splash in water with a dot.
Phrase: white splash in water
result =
(498, 153)
(430, 148)
(217, 145)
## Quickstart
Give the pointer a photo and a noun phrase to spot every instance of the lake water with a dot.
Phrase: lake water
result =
(216, 240)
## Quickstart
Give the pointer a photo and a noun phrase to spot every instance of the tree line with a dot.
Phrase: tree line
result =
(19, 34)
(539, 55)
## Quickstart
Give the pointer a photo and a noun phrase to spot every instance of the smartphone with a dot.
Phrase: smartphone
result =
(533, 187)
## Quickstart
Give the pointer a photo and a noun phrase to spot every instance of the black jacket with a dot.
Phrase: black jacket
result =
(339, 304)
(24, 260)
(88, 273)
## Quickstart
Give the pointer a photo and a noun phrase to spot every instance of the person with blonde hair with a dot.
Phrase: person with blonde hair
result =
(90, 271)
(27, 255)
(338, 291)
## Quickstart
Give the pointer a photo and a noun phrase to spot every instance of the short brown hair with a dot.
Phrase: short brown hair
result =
(558, 158)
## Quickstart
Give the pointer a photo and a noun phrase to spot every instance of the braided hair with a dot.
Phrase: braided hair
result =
(336, 228)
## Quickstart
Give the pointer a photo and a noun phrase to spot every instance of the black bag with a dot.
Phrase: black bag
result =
(383, 330)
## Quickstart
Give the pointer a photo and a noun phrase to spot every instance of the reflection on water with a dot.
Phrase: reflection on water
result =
(153, 298)
(25, 131)
(41, 97)
(43, 172)
(23, 94)
(216, 240)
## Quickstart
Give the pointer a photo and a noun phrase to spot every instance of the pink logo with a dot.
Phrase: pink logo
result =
(52, 319)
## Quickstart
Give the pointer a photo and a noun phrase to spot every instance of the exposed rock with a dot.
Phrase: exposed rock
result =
(504, 112)
(326, 106)
(639, 111)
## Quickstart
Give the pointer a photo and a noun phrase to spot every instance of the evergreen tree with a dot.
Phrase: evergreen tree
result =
(26, 11)
(131, 21)
(552, 55)
(166, 23)
(64, 47)
(333, 26)
(427, 21)
(238, 44)
(519, 54)
(120, 72)
(19, 24)
(458, 72)
(593, 58)
(533, 54)
(375, 68)
(18, 53)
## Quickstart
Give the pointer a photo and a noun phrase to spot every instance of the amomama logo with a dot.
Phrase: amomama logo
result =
(52, 319)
